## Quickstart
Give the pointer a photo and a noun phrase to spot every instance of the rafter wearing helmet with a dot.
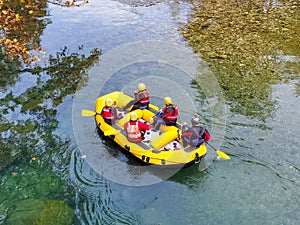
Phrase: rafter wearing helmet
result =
(168, 115)
(135, 128)
(109, 112)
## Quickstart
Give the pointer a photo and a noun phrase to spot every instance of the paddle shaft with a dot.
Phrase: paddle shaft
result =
(211, 146)
(129, 104)
(221, 154)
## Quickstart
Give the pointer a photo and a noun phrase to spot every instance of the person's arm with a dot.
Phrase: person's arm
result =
(168, 112)
(188, 133)
(114, 112)
(139, 96)
(206, 135)
(144, 125)
(125, 127)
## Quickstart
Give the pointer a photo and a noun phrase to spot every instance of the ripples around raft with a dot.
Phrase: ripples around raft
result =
(95, 203)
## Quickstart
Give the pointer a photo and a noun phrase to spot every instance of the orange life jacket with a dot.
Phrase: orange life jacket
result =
(133, 132)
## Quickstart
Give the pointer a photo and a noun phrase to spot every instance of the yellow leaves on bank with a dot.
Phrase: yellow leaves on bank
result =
(19, 39)
(17, 16)
(16, 41)
(35, 159)
(69, 3)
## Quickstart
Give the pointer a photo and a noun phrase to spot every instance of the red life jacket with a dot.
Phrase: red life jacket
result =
(206, 135)
(133, 132)
(106, 113)
(174, 108)
(144, 100)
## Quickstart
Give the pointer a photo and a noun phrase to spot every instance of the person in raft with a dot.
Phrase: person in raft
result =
(168, 115)
(142, 98)
(135, 128)
(109, 112)
(194, 135)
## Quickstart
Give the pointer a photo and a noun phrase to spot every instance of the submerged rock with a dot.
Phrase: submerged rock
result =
(37, 212)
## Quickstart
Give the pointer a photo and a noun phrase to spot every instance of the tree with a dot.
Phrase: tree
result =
(21, 25)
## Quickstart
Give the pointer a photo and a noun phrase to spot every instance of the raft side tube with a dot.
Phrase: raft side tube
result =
(100, 102)
(147, 115)
(164, 139)
(122, 100)
(126, 118)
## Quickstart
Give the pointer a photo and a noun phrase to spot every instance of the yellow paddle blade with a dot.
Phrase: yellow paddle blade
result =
(86, 112)
(223, 155)
(111, 132)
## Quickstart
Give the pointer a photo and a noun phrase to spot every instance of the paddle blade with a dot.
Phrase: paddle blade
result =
(111, 132)
(223, 155)
(86, 112)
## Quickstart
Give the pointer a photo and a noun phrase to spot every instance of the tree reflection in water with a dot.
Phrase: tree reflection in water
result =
(246, 44)
(34, 160)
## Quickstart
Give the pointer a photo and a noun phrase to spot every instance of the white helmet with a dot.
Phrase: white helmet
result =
(108, 102)
(141, 86)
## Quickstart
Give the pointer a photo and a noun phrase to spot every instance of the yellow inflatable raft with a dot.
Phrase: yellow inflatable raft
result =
(163, 147)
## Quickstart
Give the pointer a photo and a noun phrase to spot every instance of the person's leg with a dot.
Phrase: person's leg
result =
(170, 122)
(185, 141)
(108, 121)
(159, 122)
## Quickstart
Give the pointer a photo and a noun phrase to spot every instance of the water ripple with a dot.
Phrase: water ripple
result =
(96, 198)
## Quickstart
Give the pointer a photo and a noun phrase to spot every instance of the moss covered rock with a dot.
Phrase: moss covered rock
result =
(37, 212)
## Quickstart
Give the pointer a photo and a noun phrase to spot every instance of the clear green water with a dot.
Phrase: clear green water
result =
(42, 149)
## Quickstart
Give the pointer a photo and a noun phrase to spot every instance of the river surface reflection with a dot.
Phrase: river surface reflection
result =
(63, 156)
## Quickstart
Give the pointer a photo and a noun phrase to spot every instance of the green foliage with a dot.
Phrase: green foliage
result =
(29, 148)
(9, 70)
(34, 161)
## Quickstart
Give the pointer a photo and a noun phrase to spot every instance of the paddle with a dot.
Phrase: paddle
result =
(130, 104)
(135, 100)
(221, 154)
(86, 112)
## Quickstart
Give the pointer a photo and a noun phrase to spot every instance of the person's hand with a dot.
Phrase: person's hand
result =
(159, 113)
(184, 126)
(151, 120)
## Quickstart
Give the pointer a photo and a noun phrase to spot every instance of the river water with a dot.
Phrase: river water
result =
(143, 43)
